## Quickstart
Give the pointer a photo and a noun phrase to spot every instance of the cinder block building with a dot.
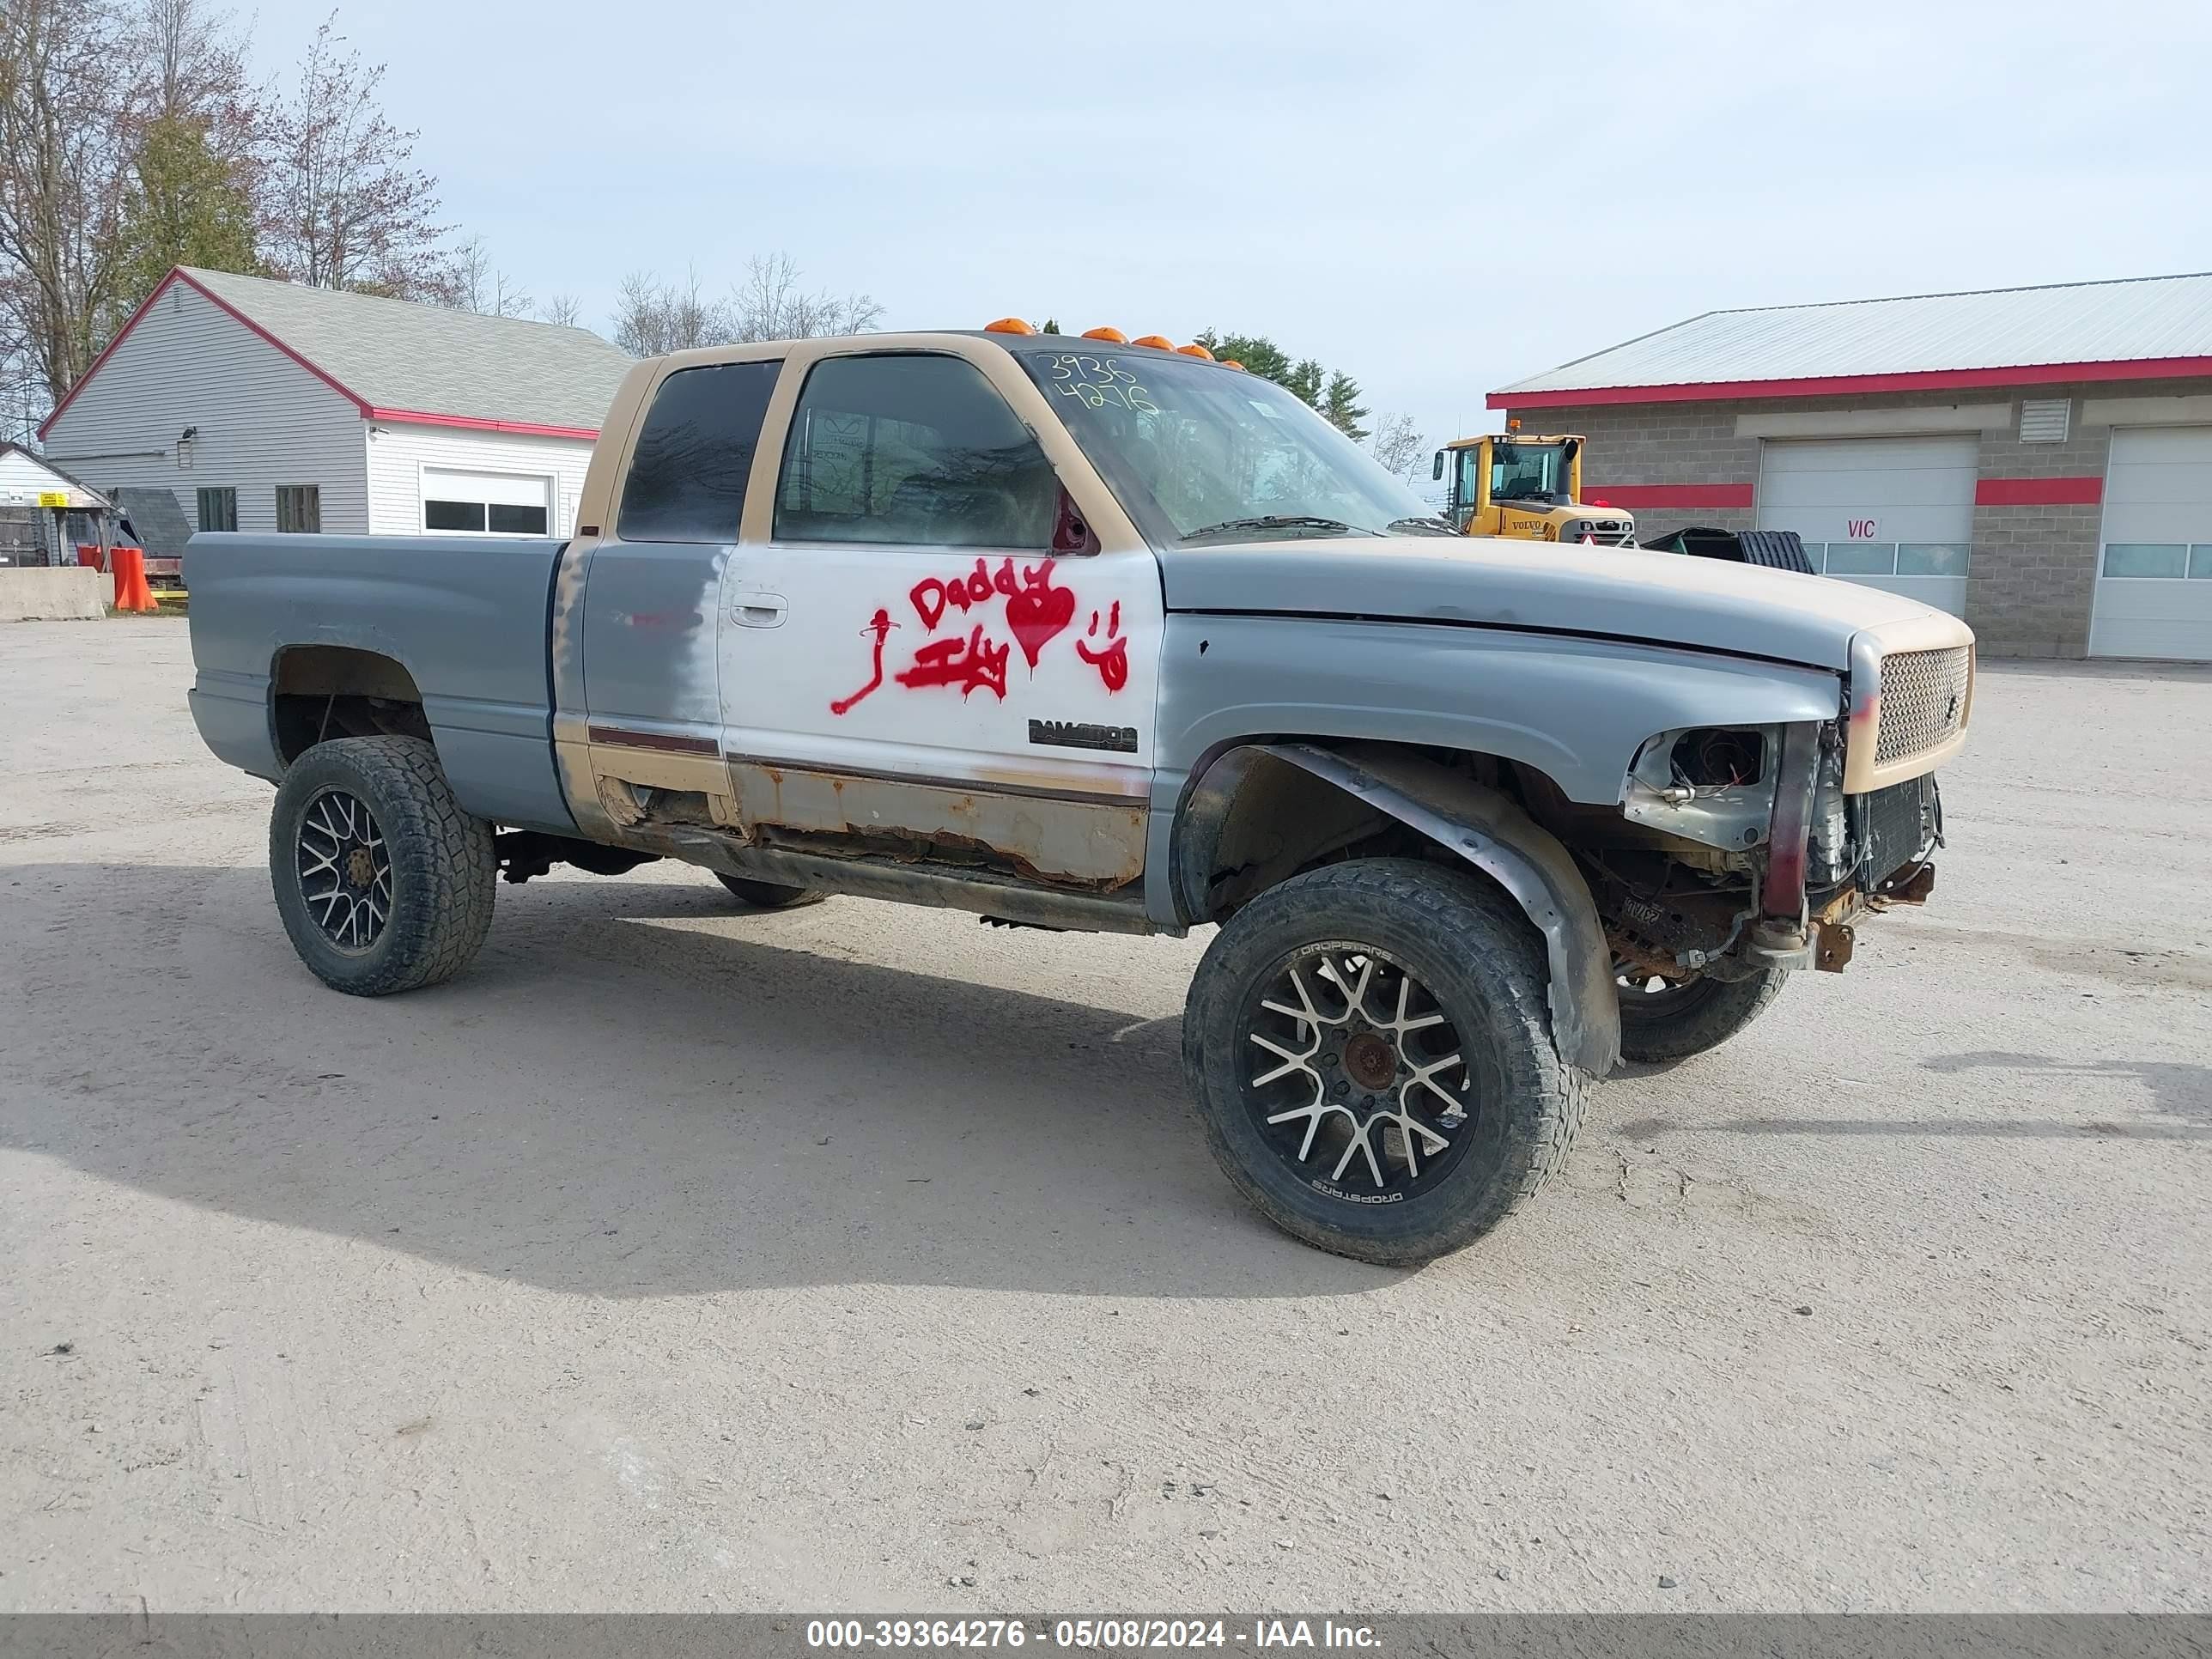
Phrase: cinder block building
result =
(2037, 460)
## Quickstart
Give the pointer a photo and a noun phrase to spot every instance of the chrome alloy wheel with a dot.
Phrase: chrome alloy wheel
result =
(345, 870)
(1360, 1084)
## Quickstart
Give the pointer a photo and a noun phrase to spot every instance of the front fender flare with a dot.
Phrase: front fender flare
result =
(1498, 838)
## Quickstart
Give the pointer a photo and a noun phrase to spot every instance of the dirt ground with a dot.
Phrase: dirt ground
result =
(866, 1258)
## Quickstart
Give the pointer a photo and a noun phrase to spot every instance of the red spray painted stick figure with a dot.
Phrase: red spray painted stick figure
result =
(880, 625)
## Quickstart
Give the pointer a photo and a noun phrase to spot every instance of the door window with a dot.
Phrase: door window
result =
(912, 451)
(687, 476)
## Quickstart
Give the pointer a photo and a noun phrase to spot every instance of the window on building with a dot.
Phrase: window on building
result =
(219, 509)
(688, 474)
(2147, 559)
(486, 517)
(912, 449)
(455, 502)
(1931, 558)
(299, 509)
(1889, 558)
(1862, 558)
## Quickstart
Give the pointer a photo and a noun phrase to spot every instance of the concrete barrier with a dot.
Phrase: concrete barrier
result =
(52, 593)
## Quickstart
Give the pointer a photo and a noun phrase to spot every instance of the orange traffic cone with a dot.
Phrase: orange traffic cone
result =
(132, 592)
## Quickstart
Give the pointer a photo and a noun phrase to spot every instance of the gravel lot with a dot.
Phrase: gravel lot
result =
(866, 1258)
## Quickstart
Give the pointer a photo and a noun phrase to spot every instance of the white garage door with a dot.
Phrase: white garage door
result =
(486, 503)
(2155, 571)
(1892, 513)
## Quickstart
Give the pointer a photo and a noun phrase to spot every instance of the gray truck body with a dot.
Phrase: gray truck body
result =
(597, 689)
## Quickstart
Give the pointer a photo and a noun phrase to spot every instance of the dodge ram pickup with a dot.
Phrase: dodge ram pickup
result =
(1077, 634)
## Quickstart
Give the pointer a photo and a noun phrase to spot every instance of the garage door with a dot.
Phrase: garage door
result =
(486, 503)
(2155, 565)
(1896, 513)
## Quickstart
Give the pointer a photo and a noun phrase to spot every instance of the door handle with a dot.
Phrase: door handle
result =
(759, 610)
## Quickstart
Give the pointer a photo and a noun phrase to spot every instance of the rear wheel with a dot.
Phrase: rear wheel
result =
(769, 895)
(383, 882)
(1371, 1048)
(1664, 1019)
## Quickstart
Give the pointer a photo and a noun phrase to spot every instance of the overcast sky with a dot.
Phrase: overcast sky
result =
(1439, 198)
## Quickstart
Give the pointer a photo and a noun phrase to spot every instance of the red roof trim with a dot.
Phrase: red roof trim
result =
(1930, 380)
(2039, 492)
(224, 306)
(471, 423)
(1696, 494)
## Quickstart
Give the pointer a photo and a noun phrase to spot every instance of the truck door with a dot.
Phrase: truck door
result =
(652, 601)
(909, 667)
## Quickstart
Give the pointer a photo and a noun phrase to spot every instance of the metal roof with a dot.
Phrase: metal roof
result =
(397, 358)
(2152, 325)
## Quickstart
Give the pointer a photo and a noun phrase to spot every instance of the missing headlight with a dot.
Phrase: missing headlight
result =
(1721, 756)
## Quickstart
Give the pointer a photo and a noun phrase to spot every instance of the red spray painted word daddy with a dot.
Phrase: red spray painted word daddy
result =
(1036, 613)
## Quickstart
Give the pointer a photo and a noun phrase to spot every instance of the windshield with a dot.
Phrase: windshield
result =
(1528, 472)
(1197, 454)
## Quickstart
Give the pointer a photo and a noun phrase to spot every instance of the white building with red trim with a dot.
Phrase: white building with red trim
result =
(2036, 459)
(263, 405)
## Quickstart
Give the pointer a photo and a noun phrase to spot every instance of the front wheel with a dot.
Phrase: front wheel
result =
(383, 882)
(1664, 1019)
(1371, 1051)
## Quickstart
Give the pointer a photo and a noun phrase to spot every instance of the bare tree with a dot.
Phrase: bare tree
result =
(476, 286)
(1398, 445)
(193, 67)
(769, 304)
(341, 204)
(653, 316)
(564, 309)
(66, 114)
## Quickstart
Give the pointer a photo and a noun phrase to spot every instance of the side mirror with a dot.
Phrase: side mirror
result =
(1437, 471)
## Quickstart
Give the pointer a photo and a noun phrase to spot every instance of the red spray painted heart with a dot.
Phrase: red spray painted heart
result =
(1038, 612)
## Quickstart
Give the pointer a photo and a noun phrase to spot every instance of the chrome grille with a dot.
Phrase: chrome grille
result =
(1924, 700)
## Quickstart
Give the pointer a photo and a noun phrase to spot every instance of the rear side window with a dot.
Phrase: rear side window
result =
(687, 476)
(915, 451)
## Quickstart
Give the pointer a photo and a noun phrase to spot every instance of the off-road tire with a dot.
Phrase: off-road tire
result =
(1475, 952)
(444, 871)
(769, 895)
(1678, 1022)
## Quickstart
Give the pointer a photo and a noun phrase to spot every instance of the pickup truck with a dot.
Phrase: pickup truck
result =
(1077, 634)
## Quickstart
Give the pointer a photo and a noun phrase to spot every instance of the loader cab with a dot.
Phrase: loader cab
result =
(1535, 472)
(1505, 484)
(1489, 472)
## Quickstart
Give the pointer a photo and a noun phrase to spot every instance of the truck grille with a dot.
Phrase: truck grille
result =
(1924, 700)
(1604, 531)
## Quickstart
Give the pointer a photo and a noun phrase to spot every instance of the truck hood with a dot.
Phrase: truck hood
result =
(1620, 593)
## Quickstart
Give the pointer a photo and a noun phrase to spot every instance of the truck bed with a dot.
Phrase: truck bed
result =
(467, 616)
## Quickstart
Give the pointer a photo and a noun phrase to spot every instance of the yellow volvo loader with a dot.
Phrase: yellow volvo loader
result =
(1528, 488)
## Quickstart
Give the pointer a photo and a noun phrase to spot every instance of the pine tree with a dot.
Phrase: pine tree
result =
(185, 207)
(1342, 407)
